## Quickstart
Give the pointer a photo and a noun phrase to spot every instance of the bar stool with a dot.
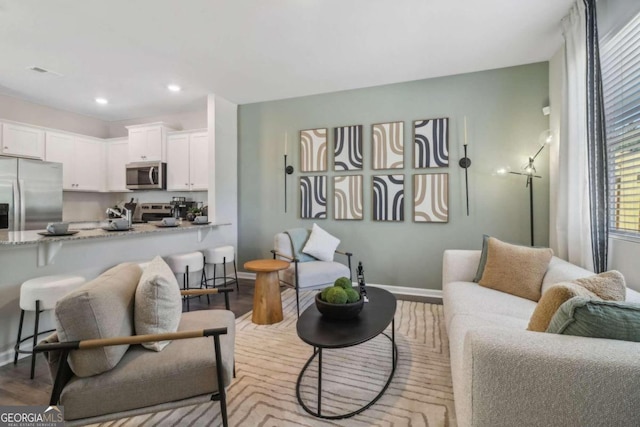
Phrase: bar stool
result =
(38, 295)
(220, 255)
(184, 264)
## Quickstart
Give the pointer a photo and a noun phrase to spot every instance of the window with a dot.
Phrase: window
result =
(621, 81)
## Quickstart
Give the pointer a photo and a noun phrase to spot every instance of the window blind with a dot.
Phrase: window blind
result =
(620, 62)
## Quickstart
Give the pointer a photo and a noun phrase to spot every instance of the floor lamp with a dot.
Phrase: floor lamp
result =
(529, 171)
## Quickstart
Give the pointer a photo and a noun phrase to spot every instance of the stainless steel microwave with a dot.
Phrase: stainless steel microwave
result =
(147, 176)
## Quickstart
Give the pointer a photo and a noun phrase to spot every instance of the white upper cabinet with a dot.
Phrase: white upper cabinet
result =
(22, 141)
(187, 161)
(82, 158)
(147, 142)
(117, 158)
(199, 161)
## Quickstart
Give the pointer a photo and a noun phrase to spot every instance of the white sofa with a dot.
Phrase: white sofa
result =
(504, 375)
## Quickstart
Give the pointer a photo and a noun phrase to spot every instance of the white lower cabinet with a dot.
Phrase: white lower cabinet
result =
(82, 159)
(187, 161)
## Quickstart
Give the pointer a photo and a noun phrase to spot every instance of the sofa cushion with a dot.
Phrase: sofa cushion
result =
(316, 274)
(609, 285)
(560, 270)
(516, 270)
(158, 304)
(321, 245)
(185, 368)
(471, 299)
(101, 308)
(551, 300)
(586, 317)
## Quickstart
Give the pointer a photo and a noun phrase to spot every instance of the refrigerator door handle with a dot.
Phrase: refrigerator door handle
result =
(16, 206)
(23, 216)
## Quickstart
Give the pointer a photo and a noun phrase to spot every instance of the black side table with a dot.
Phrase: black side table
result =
(322, 333)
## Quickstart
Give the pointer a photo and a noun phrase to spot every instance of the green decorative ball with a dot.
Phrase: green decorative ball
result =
(352, 295)
(343, 282)
(323, 294)
(336, 295)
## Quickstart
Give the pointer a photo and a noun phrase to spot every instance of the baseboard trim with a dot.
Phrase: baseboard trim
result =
(6, 356)
(398, 290)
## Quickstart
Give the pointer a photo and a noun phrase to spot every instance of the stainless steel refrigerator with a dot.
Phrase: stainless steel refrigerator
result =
(30, 194)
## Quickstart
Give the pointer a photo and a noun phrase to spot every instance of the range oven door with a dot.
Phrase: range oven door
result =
(147, 176)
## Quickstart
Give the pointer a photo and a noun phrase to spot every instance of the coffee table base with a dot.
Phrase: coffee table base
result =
(318, 352)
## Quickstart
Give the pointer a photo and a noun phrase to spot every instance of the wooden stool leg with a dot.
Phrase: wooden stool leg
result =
(267, 303)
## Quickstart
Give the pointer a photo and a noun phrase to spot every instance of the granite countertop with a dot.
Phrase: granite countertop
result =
(91, 230)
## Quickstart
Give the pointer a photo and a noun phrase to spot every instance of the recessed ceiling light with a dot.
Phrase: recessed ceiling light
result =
(102, 101)
(174, 88)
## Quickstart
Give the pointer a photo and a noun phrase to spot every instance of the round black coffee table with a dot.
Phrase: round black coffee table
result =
(323, 333)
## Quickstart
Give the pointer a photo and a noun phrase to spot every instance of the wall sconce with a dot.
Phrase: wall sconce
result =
(529, 170)
(288, 170)
(465, 162)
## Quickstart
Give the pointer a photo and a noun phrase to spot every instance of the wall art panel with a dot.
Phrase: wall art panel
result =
(431, 143)
(431, 197)
(313, 196)
(347, 197)
(388, 145)
(313, 150)
(388, 197)
(348, 148)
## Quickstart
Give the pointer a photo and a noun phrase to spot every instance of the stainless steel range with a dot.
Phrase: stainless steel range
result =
(155, 211)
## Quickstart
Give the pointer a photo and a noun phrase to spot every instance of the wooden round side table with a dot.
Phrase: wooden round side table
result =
(267, 303)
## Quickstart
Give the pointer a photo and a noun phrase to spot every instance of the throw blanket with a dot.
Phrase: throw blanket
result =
(299, 237)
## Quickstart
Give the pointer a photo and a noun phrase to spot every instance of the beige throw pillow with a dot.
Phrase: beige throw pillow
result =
(551, 300)
(609, 285)
(101, 308)
(158, 305)
(516, 270)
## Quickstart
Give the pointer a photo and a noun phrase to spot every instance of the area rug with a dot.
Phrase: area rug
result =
(270, 357)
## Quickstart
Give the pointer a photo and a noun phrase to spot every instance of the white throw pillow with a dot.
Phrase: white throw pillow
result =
(321, 244)
(158, 303)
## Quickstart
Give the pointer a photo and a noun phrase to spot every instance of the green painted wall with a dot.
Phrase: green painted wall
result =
(504, 115)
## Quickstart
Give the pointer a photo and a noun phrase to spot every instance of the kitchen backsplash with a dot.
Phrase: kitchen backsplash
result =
(79, 206)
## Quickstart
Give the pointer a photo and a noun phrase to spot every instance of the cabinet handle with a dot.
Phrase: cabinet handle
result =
(192, 183)
(186, 183)
(6, 148)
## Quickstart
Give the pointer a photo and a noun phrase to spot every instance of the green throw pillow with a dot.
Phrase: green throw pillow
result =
(586, 317)
(483, 258)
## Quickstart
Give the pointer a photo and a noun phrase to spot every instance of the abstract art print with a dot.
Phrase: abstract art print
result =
(347, 197)
(388, 145)
(388, 197)
(431, 197)
(348, 148)
(313, 150)
(431, 143)
(313, 196)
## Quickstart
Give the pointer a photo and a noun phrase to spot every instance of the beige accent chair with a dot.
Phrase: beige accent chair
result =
(309, 274)
(189, 370)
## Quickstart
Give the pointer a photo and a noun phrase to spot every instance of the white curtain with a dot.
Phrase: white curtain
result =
(570, 234)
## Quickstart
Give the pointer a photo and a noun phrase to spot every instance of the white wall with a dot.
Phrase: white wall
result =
(29, 112)
(223, 153)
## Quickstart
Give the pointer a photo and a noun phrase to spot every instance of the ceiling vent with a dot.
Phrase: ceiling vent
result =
(43, 71)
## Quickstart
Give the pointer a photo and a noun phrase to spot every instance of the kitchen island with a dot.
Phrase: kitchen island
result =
(89, 252)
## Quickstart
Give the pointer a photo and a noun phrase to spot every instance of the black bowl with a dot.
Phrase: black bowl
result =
(339, 311)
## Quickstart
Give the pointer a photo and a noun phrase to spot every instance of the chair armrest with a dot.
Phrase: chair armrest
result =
(131, 340)
(208, 291)
(344, 253)
(276, 253)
